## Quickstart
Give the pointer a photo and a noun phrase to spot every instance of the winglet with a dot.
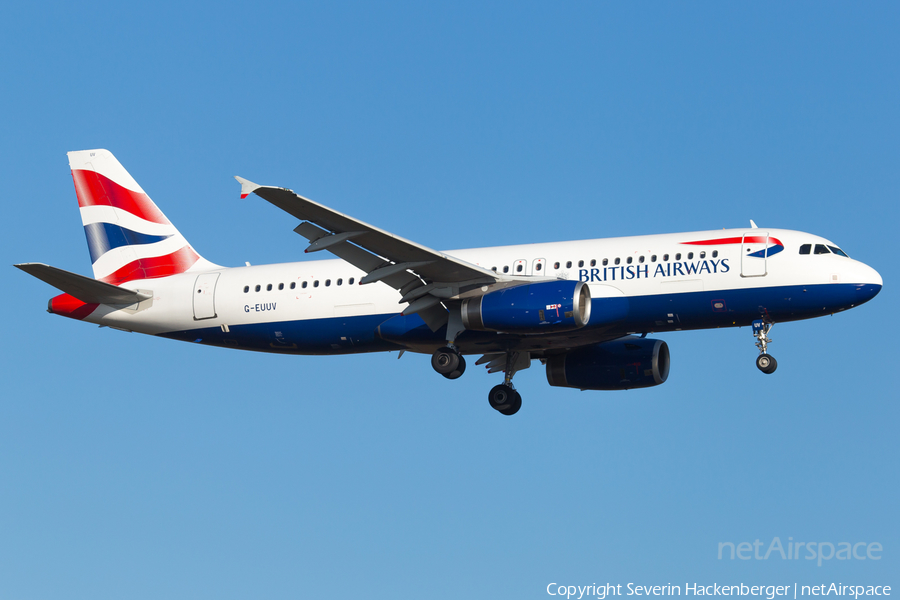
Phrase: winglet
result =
(753, 225)
(247, 186)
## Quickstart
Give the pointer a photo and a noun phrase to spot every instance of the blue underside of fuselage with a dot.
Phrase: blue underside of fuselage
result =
(657, 313)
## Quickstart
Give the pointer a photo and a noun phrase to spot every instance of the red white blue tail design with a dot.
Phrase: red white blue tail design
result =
(128, 236)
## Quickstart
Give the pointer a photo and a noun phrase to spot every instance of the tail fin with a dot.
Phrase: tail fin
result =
(128, 236)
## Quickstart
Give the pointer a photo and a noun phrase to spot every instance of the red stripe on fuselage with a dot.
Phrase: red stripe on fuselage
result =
(93, 189)
(69, 306)
(154, 267)
(750, 239)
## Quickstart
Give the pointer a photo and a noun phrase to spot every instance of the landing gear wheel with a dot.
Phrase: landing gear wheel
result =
(460, 369)
(445, 360)
(514, 408)
(504, 399)
(766, 363)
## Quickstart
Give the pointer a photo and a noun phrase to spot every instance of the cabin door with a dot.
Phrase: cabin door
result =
(205, 296)
(754, 253)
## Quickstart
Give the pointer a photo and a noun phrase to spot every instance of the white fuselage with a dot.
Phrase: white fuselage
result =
(653, 268)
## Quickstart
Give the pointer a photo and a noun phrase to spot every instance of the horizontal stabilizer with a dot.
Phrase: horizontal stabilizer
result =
(84, 288)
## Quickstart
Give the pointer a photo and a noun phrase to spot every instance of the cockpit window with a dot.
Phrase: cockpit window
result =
(821, 249)
(838, 251)
(805, 248)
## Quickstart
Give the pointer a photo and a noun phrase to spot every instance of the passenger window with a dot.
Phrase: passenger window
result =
(556, 265)
(258, 287)
(618, 260)
(269, 288)
(665, 258)
(580, 264)
(350, 281)
(805, 248)
(327, 282)
(605, 261)
(628, 260)
(304, 284)
(494, 269)
(640, 259)
(293, 284)
(703, 255)
(518, 268)
(690, 255)
(678, 256)
(340, 281)
(715, 253)
(838, 251)
(538, 266)
(653, 258)
(246, 288)
(821, 249)
(316, 283)
(280, 286)
(593, 262)
(569, 264)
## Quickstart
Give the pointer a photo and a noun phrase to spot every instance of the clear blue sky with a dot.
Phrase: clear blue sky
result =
(135, 467)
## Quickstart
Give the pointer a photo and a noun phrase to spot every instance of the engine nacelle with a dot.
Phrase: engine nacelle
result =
(543, 307)
(623, 364)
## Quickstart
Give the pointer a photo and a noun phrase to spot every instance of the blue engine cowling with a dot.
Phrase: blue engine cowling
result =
(543, 307)
(626, 363)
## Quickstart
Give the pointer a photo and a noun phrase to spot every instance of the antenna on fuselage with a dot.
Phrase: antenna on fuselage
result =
(753, 225)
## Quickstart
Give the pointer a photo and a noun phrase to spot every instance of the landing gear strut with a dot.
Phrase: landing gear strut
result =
(764, 362)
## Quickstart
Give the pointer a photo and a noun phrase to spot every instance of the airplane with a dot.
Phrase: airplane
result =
(584, 309)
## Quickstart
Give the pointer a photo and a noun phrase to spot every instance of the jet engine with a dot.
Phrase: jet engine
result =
(544, 307)
(626, 363)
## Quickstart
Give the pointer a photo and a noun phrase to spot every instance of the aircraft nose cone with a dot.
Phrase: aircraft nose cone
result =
(876, 278)
(870, 285)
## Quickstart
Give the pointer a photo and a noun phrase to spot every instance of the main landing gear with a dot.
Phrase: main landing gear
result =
(764, 362)
(448, 362)
(503, 398)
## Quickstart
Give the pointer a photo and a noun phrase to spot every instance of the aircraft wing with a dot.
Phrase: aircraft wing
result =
(424, 277)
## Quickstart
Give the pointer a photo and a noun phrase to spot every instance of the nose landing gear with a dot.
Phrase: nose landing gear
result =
(764, 362)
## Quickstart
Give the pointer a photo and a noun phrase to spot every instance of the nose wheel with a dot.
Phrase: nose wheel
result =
(765, 362)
